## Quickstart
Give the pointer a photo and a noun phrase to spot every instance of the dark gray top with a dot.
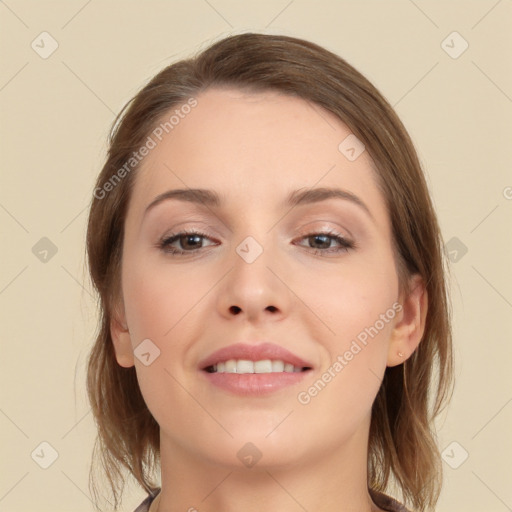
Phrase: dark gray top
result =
(382, 500)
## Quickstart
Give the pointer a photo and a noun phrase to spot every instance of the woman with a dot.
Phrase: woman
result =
(273, 298)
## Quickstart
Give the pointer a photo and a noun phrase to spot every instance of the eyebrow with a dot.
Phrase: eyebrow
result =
(209, 198)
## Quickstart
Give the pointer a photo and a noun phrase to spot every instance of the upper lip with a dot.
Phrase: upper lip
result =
(253, 353)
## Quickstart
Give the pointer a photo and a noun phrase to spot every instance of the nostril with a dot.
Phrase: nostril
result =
(235, 310)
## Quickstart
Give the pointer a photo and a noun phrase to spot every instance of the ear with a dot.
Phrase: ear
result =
(410, 323)
(121, 338)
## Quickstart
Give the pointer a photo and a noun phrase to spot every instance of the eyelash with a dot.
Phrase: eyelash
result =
(345, 244)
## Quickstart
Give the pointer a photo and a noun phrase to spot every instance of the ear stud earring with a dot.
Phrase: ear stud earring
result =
(400, 354)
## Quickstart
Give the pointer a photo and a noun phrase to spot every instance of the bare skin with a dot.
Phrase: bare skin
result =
(306, 294)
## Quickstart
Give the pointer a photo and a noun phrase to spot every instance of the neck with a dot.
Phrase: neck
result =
(335, 481)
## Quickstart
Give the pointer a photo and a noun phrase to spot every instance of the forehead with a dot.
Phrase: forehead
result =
(254, 147)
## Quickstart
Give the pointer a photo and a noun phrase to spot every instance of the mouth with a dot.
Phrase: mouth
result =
(254, 370)
(241, 366)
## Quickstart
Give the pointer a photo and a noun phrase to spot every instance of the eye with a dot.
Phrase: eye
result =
(323, 241)
(188, 242)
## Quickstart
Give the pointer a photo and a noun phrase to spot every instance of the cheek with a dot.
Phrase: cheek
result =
(358, 304)
(159, 305)
(350, 297)
(158, 297)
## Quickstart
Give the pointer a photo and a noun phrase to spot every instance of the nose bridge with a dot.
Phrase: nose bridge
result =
(255, 237)
(250, 249)
(253, 255)
(251, 288)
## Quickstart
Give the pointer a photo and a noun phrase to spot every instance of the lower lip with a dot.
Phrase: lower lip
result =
(254, 384)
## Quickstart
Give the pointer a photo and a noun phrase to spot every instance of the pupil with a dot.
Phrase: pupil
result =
(188, 238)
(325, 243)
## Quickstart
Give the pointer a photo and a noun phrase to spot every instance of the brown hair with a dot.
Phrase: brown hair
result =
(402, 443)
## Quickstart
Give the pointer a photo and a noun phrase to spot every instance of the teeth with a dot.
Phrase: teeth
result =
(262, 366)
(230, 366)
(277, 366)
(243, 366)
(288, 368)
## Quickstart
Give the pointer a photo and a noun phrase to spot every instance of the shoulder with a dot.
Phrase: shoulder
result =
(387, 502)
(145, 505)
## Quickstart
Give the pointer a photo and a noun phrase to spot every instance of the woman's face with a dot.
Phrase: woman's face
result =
(255, 275)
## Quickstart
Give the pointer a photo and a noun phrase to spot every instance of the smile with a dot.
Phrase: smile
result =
(242, 366)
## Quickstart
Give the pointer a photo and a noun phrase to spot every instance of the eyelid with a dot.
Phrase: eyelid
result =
(345, 241)
(325, 225)
(187, 231)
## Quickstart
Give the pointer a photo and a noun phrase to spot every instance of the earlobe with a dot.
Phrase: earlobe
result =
(410, 325)
(121, 339)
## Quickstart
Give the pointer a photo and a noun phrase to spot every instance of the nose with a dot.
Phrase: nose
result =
(254, 290)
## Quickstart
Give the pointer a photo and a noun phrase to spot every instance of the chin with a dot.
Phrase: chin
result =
(255, 448)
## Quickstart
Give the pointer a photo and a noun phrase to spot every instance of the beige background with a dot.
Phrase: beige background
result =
(56, 113)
